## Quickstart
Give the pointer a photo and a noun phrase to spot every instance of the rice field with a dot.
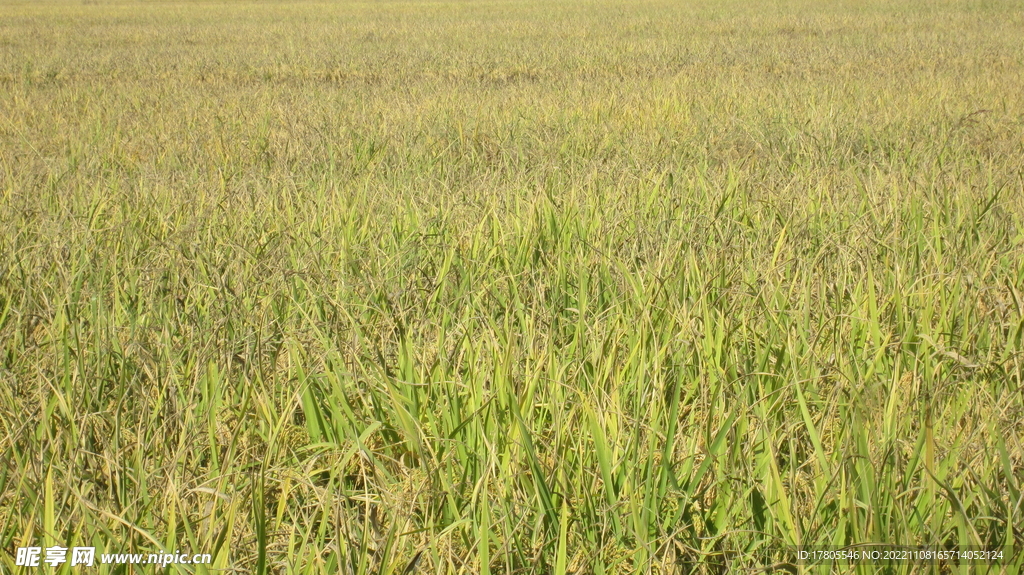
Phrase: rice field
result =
(497, 287)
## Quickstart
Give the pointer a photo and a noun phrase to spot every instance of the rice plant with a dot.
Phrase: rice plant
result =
(511, 287)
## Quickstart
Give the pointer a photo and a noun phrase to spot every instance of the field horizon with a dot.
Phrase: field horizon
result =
(511, 287)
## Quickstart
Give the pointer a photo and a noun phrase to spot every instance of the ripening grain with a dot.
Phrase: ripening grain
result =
(511, 287)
